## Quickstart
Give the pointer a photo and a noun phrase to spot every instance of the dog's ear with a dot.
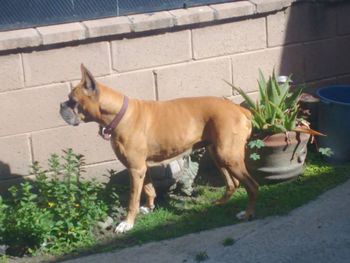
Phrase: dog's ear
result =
(88, 81)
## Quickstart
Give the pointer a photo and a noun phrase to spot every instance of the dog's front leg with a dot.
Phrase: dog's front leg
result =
(137, 177)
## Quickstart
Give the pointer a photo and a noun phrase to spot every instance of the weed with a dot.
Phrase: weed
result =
(52, 215)
(201, 256)
(3, 259)
(228, 242)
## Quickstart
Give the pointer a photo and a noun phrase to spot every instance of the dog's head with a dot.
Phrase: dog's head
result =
(83, 101)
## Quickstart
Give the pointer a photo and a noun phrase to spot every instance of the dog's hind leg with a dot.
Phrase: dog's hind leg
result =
(230, 182)
(233, 162)
(251, 186)
(150, 193)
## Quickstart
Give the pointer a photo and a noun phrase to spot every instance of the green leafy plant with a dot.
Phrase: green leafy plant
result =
(326, 151)
(55, 214)
(255, 144)
(277, 108)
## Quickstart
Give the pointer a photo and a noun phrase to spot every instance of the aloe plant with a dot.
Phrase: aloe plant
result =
(277, 108)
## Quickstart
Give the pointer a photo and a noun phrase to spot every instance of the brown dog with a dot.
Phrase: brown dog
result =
(146, 133)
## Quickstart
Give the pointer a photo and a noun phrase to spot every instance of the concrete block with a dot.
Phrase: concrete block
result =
(229, 38)
(150, 51)
(19, 39)
(108, 26)
(301, 23)
(321, 59)
(238, 99)
(192, 15)
(342, 55)
(151, 21)
(13, 181)
(63, 64)
(100, 171)
(286, 61)
(202, 78)
(343, 80)
(11, 75)
(312, 87)
(15, 158)
(62, 33)
(31, 109)
(264, 6)
(83, 139)
(343, 19)
(235, 9)
(139, 84)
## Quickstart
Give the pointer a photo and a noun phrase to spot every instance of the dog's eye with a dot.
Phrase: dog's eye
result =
(71, 103)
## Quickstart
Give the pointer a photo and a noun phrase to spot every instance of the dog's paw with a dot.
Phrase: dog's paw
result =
(145, 210)
(243, 216)
(123, 227)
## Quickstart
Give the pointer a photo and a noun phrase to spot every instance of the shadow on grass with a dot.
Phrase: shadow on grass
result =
(171, 220)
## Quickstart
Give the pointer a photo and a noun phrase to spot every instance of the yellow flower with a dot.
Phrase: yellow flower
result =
(51, 204)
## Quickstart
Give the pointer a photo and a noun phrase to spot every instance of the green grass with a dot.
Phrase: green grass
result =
(174, 218)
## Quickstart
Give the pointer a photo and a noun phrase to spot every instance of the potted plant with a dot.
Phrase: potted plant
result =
(277, 149)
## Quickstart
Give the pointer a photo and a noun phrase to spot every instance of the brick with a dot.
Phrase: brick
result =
(83, 139)
(62, 33)
(11, 76)
(319, 66)
(312, 87)
(15, 181)
(138, 84)
(342, 55)
(343, 19)
(151, 21)
(192, 15)
(150, 51)
(15, 156)
(238, 99)
(231, 10)
(202, 78)
(101, 172)
(108, 26)
(229, 38)
(286, 61)
(343, 80)
(31, 109)
(63, 64)
(301, 23)
(19, 39)
(264, 6)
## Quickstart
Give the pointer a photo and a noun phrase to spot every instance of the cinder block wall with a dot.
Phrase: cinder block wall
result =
(160, 56)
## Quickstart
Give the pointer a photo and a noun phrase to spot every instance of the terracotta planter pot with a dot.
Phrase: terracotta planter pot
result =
(280, 159)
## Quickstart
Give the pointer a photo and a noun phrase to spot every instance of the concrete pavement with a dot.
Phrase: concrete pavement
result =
(316, 232)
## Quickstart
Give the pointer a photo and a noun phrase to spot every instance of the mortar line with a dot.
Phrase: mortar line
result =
(22, 69)
(191, 43)
(30, 139)
(266, 33)
(110, 56)
(155, 75)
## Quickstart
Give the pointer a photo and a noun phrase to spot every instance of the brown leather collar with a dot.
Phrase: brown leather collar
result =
(106, 132)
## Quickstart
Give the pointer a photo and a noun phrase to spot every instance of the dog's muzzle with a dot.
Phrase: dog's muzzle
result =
(68, 114)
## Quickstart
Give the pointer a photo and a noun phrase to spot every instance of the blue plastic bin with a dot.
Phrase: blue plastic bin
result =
(334, 121)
